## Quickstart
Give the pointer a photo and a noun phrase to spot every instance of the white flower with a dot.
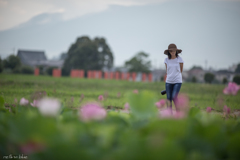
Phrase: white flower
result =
(49, 106)
(23, 102)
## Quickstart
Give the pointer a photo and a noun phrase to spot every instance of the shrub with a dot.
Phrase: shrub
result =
(49, 70)
(27, 70)
(194, 79)
(12, 62)
(236, 79)
(17, 70)
(209, 77)
(1, 65)
(224, 81)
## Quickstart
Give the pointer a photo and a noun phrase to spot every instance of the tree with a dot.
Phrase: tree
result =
(1, 65)
(196, 67)
(224, 81)
(12, 62)
(27, 70)
(139, 63)
(209, 77)
(238, 69)
(194, 79)
(236, 79)
(88, 54)
(49, 70)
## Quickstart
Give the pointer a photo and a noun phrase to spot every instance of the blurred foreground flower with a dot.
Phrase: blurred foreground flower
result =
(81, 98)
(226, 110)
(100, 98)
(160, 103)
(118, 95)
(209, 109)
(232, 88)
(24, 101)
(135, 91)
(126, 106)
(35, 103)
(182, 101)
(31, 147)
(168, 113)
(49, 106)
(92, 111)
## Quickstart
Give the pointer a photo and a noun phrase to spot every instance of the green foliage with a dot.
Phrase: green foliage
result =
(12, 62)
(49, 70)
(139, 135)
(27, 70)
(1, 65)
(194, 79)
(88, 54)
(209, 77)
(142, 105)
(224, 81)
(139, 63)
(41, 70)
(236, 79)
(196, 67)
(238, 69)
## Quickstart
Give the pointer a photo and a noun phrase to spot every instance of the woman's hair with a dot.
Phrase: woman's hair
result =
(169, 55)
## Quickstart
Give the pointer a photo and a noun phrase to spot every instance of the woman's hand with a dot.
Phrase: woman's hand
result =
(181, 67)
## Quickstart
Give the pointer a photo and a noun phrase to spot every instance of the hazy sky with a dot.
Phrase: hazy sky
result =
(206, 30)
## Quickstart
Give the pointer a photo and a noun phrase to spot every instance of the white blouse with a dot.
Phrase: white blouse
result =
(174, 74)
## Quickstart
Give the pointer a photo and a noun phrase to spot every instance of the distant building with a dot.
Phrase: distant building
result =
(232, 68)
(158, 74)
(37, 58)
(198, 73)
(221, 74)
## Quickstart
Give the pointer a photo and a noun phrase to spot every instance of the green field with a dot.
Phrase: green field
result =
(64, 88)
(142, 133)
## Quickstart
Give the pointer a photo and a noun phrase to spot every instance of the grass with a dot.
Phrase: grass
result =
(69, 90)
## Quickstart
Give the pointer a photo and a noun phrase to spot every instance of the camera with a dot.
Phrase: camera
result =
(163, 92)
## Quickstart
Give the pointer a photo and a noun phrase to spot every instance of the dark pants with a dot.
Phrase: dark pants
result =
(172, 92)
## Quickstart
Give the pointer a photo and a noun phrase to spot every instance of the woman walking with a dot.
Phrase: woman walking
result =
(174, 68)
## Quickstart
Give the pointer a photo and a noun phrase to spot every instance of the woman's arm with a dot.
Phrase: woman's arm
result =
(166, 70)
(166, 67)
(181, 67)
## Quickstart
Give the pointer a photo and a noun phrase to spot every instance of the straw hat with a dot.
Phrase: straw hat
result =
(172, 46)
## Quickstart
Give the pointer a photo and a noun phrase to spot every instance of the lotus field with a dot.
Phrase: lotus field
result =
(43, 117)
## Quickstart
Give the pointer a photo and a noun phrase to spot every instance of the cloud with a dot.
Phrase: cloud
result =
(15, 12)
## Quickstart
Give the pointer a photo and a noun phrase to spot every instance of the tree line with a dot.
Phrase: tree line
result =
(93, 54)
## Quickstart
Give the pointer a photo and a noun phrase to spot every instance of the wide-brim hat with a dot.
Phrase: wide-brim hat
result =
(172, 46)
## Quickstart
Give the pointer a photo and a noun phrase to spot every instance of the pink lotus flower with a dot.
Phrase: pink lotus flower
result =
(118, 95)
(81, 98)
(92, 111)
(100, 98)
(135, 91)
(168, 113)
(160, 103)
(35, 103)
(126, 106)
(49, 106)
(182, 101)
(24, 101)
(179, 115)
(232, 88)
(31, 147)
(209, 109)
(226, 110)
